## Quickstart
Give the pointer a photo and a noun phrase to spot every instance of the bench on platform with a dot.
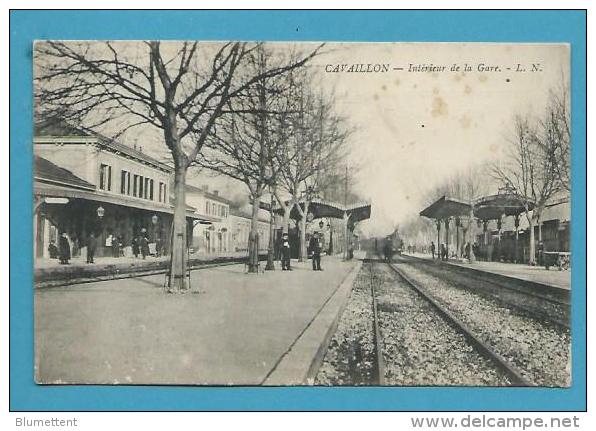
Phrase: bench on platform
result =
(560, 259)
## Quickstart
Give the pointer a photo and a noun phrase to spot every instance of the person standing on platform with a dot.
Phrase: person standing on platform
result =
(315, 247)
(443, 251)
(64, 249)
(144, 246)
(53, 250)
(91, 247)
(135, 246)
(432, 249)
(285, 252)
(115, 246)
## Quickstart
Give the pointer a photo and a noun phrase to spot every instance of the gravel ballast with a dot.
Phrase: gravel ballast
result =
(419, 348)
(539, 349)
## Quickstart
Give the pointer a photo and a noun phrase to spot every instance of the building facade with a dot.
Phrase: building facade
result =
(240, 221)
(86, 183)
(213, 236)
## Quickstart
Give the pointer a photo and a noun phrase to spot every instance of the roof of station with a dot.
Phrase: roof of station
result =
(446, 207)
(486, 208)
(326, 209)
(502, 204)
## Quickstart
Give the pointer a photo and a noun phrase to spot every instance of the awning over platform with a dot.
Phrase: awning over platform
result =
(445, 208)
(320, 208)
(49, 190)
(503, 204)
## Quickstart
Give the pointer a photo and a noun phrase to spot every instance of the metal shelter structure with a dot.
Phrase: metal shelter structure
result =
(505, 203)
(444, 210)
(350, 214)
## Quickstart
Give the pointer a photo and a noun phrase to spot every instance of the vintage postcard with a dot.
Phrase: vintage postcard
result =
(328, 214)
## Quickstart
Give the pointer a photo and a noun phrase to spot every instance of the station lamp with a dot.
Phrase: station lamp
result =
(100, 211)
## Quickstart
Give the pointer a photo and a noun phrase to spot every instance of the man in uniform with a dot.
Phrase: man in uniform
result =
(285, 252)
(91, 247)
(315, 248)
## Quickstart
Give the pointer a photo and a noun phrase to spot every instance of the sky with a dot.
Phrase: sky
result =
(414, 128)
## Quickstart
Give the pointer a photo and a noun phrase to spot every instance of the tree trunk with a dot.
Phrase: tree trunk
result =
(286, 219)
(303, 248)
(532, 260)
(178, 251)
(471, 233)
(253, 237)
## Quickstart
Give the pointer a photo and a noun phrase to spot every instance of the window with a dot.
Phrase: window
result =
(135, 185)
(140, 186)
(207, 207)
(162, 192)
(214, 209)
(147, 184)
(125, 182)
(105, 177)
(151, 189)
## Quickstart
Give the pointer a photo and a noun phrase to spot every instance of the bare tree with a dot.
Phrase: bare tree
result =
(178, 88)
(556, 125)
(311, 152)
(466, 185)
(250, 134)
(532, 170)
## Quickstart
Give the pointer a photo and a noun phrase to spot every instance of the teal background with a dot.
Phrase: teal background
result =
(477, 26)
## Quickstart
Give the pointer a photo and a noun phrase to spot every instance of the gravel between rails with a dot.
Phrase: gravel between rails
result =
(351, 354)
(540, 350)
(419, 347)
(531, 304)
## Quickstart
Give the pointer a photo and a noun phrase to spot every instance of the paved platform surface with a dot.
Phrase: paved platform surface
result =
(537, 274)
(50, 273)
(232, 328)
(47, 263)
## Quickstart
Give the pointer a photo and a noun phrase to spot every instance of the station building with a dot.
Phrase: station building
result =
(240, 221)
(84, 183)
(211, 234)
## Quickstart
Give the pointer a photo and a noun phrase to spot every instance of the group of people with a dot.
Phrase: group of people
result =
(62, 250)
(443, 253)
(315, 246)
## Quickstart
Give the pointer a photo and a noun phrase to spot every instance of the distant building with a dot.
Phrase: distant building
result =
(85, 182)
(212, 236)
(240, 221)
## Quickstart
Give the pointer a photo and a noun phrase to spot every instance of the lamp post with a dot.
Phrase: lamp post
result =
(330, 238)
(154, 221)
(309, 194)
(100, 213)
(270, 256)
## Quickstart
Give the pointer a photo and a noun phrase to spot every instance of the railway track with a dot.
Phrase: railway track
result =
(512, 377)
(405, 327)
(112, 274)
(482, 347)
(538, 349)
(551, 305)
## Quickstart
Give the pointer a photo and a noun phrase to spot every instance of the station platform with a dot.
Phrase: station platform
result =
(534, 274)
(49, 272)
(231, 328)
